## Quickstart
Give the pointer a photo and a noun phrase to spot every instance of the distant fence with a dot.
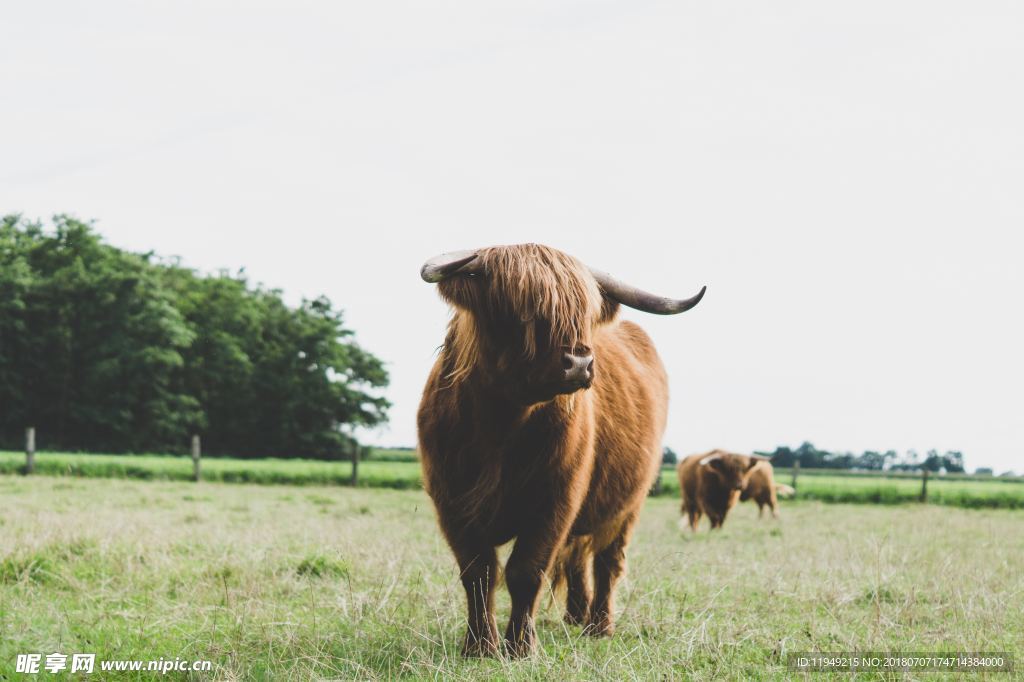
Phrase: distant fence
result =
(399, 469)
(889, 473)
(358, 453)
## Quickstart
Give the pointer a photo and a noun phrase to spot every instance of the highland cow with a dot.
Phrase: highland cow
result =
(541, 421)
(711, 484)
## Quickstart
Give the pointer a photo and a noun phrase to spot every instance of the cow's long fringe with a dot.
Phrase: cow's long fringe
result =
(534, 284)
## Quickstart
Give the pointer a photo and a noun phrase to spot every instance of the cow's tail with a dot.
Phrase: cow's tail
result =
(784, 490)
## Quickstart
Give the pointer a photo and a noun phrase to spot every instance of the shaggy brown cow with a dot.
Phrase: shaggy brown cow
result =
(541, 421)
(762, 488)
(711, 483)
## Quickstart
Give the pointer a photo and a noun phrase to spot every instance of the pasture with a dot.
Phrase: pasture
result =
(970, 492)
(399, 469)
(292, 583)
(379, 473)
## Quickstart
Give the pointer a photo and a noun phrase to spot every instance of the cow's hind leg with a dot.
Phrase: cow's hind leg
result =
(576, 568)
(478, 567)
(609, 565)
(694, 514)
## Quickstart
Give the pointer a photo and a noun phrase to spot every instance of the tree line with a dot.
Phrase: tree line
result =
(810, 457)
(106, 350)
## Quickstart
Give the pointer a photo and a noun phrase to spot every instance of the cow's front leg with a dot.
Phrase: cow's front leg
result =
(478, 568)
(524, 575)
(609, 565)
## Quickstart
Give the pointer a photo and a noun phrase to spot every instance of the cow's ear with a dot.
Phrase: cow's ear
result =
(609, 309)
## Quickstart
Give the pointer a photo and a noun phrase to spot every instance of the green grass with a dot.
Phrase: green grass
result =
(857, 488)
(399, 469)
(785, 474)
(372, 473)
(297, 583)
(393, 455)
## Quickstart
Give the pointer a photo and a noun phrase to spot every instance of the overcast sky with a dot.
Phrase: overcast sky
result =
(847, 179)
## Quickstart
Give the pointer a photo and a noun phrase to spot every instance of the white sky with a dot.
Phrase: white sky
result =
(847, 179)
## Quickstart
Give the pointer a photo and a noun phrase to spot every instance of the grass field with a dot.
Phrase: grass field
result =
(293, 583)
(382, 473)
(398, 469)
(858, 488)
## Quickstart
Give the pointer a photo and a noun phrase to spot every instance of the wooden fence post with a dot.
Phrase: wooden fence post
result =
(30, 449)
(796, 471)
(924, 484)
(196, 455)
(356, 452)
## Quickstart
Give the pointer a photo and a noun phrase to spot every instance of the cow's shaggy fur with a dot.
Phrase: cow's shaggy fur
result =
(506, 457)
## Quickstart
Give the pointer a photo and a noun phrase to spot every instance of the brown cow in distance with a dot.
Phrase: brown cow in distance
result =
(711, 483)
(762, 488)
(541, 421)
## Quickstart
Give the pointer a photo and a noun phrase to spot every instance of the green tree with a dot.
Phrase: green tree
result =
(102, 349)
(953, 461)
(15, 283)
(101, 345)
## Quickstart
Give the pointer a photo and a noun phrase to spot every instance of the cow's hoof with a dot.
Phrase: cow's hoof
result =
(519, 648)
(601, 628)
(476, 647)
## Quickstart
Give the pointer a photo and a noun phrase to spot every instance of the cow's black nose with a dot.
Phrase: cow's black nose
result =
(579, 367)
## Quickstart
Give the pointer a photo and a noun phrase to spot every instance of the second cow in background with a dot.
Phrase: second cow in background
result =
(711, 484)
(762, 488)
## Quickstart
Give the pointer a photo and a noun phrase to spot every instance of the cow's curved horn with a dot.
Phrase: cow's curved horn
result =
(629, 295)
(445, 265)
(761, 458)
(709, 458)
